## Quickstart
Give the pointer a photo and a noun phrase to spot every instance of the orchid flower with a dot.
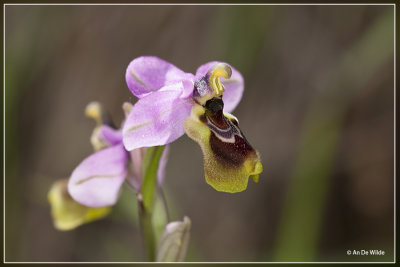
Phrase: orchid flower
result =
(97, 180)
(172, 102)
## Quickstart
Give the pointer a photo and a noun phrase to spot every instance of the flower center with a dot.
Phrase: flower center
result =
(210, 86)
(217, 71)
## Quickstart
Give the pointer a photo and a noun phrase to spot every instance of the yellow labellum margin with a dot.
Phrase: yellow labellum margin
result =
(229, 160)
(67, 213)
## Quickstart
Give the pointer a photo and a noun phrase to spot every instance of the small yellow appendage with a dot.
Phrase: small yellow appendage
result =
(219, 70)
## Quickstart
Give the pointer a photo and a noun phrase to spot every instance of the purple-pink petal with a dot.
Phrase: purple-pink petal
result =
(148, 74)
(98, 178)
(203, 69)
(234, 86)
(162, 165)
(135, 177)
(156, 119)
(187, 90)
(110, 135)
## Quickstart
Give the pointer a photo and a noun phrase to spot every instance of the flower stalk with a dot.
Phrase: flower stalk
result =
(146, 198)
(147, 229)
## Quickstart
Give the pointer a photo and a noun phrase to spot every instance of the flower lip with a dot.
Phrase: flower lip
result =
(229, 159)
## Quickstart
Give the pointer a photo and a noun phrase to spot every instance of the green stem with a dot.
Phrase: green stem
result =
(152, 158)
(146, 198)
(147, 229)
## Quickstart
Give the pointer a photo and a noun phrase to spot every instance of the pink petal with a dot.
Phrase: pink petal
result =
(161, 165)
(135, 177)
(148, 74)
(97, 179)
(203, 69)
(233, 87)
(110, 135)
(156, 119)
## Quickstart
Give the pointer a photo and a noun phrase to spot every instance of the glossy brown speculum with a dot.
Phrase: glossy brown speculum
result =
(227, 141)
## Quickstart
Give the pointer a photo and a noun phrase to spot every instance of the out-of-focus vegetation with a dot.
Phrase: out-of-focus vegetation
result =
(318, 105)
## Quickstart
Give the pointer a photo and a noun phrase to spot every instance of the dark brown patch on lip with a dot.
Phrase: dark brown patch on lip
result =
(231, 154)
(218, 120)
(214, 112)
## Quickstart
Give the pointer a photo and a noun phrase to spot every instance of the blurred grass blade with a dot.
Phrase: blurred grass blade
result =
(302, 214)
(306, 196)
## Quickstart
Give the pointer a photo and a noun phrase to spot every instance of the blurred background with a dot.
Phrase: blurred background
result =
(318, 105)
